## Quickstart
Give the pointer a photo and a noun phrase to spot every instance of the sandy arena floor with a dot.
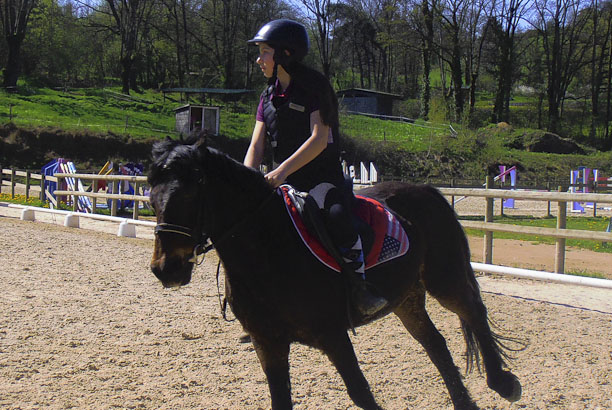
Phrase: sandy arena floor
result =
(86, 325)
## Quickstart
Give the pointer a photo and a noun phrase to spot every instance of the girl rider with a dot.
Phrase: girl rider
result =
(298, 113)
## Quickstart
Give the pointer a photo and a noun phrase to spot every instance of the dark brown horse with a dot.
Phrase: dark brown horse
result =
(281, 294)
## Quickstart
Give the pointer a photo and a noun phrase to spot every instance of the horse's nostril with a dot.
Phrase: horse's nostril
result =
(156, 270)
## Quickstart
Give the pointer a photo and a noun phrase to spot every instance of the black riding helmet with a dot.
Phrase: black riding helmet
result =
(284, 34)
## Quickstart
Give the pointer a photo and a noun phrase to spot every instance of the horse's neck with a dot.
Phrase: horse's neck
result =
(238, 213)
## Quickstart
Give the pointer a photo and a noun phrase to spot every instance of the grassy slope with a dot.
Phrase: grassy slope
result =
(405, 150)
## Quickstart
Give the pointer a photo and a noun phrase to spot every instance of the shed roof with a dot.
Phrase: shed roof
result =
(206, 90)
(354, 91)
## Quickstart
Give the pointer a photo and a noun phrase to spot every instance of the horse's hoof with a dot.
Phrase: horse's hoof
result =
(517, 391)
(508, 387)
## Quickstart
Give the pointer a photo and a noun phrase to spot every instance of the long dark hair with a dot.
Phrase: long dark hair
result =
(313, 81)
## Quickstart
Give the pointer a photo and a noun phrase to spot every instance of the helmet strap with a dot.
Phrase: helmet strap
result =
(272, 80)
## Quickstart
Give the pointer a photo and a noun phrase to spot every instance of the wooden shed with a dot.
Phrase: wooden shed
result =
(359, 100)
(193, 118)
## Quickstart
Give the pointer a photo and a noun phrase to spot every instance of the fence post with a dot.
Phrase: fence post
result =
(12, 183)
(548, 214)
(58, 198)
(560, 245)
(488, 236)
(1, 177)
(27, 184)
(452, 184)
(94, 200)
(135, 212)
(43, 197)
(75, 197)
(114, 201)
(595, 203)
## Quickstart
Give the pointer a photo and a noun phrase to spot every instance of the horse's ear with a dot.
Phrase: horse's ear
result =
(201, 147)
(202, 138)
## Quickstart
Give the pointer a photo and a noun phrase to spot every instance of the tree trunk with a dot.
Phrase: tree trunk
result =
(13, 64)
(457, 85)
(126, 74)
(594, 77)
(456, 75)
(427, 50)
(426, 85)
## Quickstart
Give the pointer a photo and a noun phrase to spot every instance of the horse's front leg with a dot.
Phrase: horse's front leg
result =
(340, 351)
(274, 359)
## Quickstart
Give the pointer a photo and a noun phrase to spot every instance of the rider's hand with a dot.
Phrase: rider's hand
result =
(276, 177)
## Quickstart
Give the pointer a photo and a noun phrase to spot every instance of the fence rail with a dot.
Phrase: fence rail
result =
(560, 233)
(45, 195)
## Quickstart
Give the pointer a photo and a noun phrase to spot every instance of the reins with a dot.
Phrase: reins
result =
(204, 243)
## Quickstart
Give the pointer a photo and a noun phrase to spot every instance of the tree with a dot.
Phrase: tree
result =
(504, 26)
(127, 19)
(478, 13)
(427, 37)
(451, 15)
(320, 14)
(130, 18)
(560, 26)
(222, 37)
(599, 52)
(15, 15)
(355, 35)
(177, 32)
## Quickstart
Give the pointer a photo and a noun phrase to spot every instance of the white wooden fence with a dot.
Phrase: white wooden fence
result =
(560, 233)
(136, 181)
(34, 183)
(488, 226)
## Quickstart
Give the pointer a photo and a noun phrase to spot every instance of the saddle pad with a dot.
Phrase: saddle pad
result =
(390, 239)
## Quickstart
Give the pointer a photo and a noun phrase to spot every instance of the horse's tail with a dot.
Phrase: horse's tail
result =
(503, 345)
(463, 278)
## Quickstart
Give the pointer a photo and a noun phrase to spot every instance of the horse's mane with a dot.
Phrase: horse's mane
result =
(191, 160)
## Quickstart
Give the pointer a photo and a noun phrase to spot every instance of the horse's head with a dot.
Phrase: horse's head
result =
(197, 191)
(176, 192)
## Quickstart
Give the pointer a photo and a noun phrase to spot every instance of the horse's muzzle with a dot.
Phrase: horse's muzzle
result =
(172, 272)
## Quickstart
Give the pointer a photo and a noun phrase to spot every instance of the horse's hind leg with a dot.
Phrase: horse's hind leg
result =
(413, 315)
(340, 351)
(467, 303)
(274, 360)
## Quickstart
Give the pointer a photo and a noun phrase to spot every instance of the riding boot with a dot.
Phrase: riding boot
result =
(365, 301)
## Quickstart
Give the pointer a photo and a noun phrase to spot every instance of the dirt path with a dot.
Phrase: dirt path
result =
(527, 255)
(86, 325)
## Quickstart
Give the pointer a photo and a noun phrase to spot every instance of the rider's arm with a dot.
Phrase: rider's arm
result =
(254, 154)
(308, 151)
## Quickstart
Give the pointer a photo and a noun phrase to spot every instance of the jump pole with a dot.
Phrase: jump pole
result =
(545, 276)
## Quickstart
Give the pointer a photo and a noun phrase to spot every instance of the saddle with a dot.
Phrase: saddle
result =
(382, 235)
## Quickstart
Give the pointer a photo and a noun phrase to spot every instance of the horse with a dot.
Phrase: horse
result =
(282, 294)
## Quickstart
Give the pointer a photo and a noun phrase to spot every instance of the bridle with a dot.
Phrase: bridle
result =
(203, 242)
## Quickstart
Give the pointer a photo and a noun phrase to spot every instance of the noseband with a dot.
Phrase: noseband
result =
(201, 239)
(202, 246)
